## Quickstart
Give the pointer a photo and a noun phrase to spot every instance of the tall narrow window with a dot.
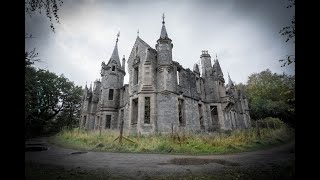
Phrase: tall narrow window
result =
(110, 94)
(147, 110)
(134, 113)
(198, 84)
(84, 121)
(96, 123)
(214, 117)
(200, 116)
(113, 68)
(108, 122)
(137, 51)
(135, 75)
(178, 78)
(181, 112)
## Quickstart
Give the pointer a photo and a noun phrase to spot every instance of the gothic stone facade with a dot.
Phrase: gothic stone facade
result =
(161, 94)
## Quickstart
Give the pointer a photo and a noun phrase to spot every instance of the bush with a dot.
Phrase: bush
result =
(274, 123)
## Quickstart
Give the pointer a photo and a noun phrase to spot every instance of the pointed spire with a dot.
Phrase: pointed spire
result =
(196, 68)
(90, 90)
(164, 34)
(118, 37)
(138, 33)
(123, 62)
(217, 66)
(230, 83)
(115, 54)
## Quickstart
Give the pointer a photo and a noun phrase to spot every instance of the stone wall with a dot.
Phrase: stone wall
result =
(167, 110)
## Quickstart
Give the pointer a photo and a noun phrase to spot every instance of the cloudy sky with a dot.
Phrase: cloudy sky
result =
(243, 33)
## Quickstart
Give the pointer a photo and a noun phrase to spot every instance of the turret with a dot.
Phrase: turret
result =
(90, 89)
(217, 67)
(96, 91)
(112, 75)
(196, 69)
(230, 83)
(218, 77)
(167, 74)
(164, 46)
(206, 64)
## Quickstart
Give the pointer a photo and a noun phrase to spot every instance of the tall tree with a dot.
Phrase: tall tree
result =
(271, 94)
(47, 95)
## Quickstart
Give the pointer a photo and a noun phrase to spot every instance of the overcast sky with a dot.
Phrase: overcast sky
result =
(243, 33)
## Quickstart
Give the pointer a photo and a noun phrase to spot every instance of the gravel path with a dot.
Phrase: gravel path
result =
(150, 165)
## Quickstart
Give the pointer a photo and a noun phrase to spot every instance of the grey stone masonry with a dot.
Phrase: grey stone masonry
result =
(161, 95)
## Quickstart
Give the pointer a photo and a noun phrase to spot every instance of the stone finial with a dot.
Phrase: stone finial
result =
(163, 18)
(118, 36)
(163, 34)
(138, 33)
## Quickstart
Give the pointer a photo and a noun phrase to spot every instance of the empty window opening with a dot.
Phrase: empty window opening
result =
(214, 117)
(178, 77)
(134, 114)
(96, 123)
(84, 120)
(181, 112)
(108, 122)
(110, 94)
(200, 116)
(135, 75)
(147, 110)
(137, 51)
(113, 68)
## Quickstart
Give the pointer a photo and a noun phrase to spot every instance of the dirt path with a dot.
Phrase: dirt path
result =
(151, 165)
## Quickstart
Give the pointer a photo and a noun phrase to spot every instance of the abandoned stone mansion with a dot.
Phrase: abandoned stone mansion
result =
(161, 94)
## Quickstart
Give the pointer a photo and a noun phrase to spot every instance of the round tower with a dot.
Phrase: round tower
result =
(165, 69)
(112, 76)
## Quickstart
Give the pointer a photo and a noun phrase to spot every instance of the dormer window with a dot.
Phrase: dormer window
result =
(113, 68)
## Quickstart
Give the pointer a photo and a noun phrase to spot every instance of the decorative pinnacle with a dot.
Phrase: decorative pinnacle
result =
(138, 33)
(216, 56)
(123, 57)
(163, 18)
(118, 36)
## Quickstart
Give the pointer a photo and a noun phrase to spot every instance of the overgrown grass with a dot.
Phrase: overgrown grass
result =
(185, 143)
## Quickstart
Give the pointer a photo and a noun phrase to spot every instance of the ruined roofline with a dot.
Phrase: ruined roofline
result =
(124, 86)
(179, 66)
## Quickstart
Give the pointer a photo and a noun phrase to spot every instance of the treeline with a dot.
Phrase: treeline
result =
(51, 101)
(271, 95)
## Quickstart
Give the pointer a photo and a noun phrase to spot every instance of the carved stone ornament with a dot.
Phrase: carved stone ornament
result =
(169, 69)
(136, 61)
(160, 69)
